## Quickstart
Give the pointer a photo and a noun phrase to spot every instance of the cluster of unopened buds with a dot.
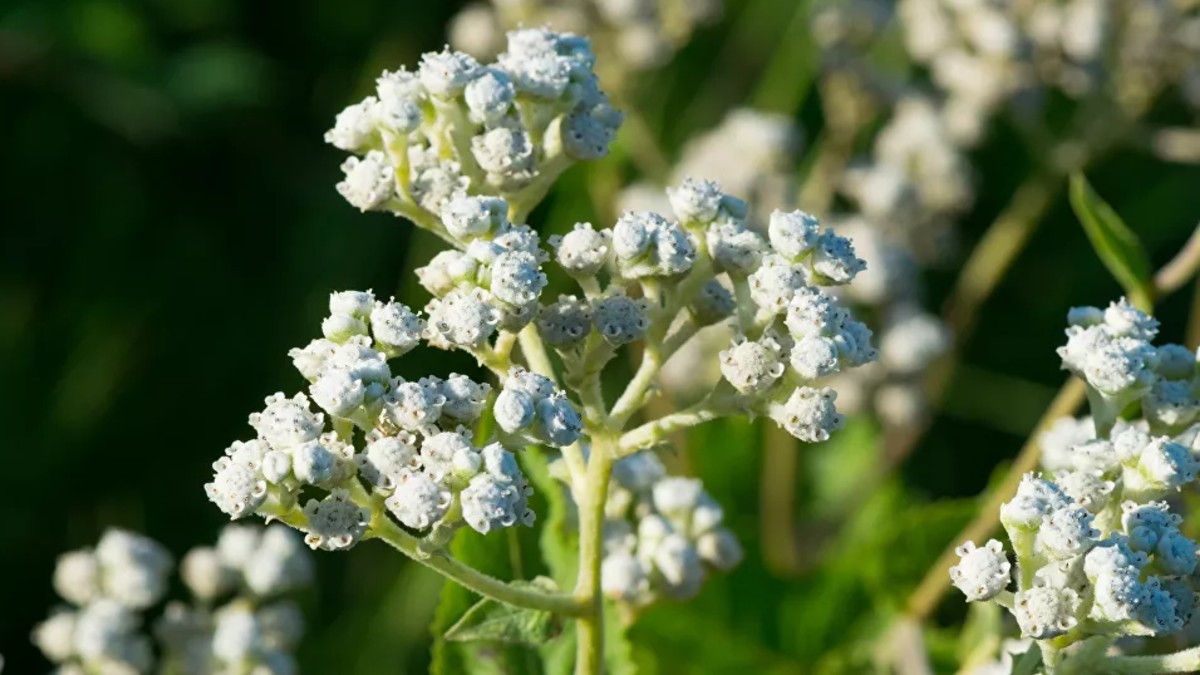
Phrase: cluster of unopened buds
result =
(1098, 549)
(509, 128)
(238, 619)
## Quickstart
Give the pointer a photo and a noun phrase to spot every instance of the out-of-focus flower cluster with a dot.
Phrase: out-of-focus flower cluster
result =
(238, 619)
(629, 35)
(662, 534)
(1098, 549)
(456, 126)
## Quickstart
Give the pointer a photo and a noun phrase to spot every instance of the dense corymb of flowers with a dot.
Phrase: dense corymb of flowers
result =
(237, 620)
(630, 35)
(1098, 549)
(456, 126)
(755, 151)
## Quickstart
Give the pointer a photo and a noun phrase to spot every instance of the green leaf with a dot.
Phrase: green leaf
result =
(492, 621)
(559, 538)
(1118, 247)
(1029, 661)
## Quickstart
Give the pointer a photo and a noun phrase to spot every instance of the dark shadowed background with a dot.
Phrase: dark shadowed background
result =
(170, 229)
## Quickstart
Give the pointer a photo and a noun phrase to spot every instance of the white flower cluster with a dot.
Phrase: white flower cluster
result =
(1097, 551)
(789, 332)
(1111, 350)
(408, 441)
(662, 534)
(630, 35)
(245, 577)
(456, 126)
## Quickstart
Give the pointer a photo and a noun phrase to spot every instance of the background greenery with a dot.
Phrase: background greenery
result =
(170, 229)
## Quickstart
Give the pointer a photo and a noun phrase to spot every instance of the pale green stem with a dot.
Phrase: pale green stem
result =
(589, 633)
(745, 305)
(655, 431)
(590, 287)
(1182, 267)
(472, 579)
(635, 392)
(531, 195)
(535, 353)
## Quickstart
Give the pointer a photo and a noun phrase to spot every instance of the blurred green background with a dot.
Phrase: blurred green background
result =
(170, 229)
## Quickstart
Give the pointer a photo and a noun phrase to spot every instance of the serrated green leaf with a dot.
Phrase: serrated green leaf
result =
(492, 621)
(1118, 247)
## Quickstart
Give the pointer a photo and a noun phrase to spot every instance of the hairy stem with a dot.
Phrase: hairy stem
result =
(472, 579)
(1182, 267)
(589, 632)
(652, 432)
(535, 353)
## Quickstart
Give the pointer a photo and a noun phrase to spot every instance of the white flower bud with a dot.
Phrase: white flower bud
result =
(354, 128)
(808, 414)
(678, 563)
(370, 181)
(981, 573)
(56, 636)
(565, 323)
(713, 303)
(1043, 612)
(464, 319)
(814, 357)
(648, 245)
(334, 522)
(444, 74)
(620, 319)
(204, 574)
(468, 217)
(313, 463)
(1162, 467)
(1175, 554)
(695, 201)
(1117, 366)
(793, 234)
(106, 632)
(1175, 362)
(396, 328)
(413, 406)
(834, 261)
(1158, 612)
(443, 454)
(587, 136)
(1059, 440)
(559, 423)
(1035, 500)
(433, 180)
(1171, 404)
(1085, 316)
(446, 271)
(623, 578)
(583, 251)
(385, 457)
(236, 634)
(1125, 320)
(312, 359)
(418, 502)
(775, 283)
(352, 303)
(521, 238)
(1065, 533)
(720, 548)
(238, 487)
(734, 248)
(77, 577)
(489, 96)
(399, 107)
(910, 344)
(286, 422)
(752, 366)
(1146, 523)
(504, 152)
(338, 393)
(1087, 489)
(517, 278)
(465, 398)
(514, 410)
(341, 327)
(489, 503)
